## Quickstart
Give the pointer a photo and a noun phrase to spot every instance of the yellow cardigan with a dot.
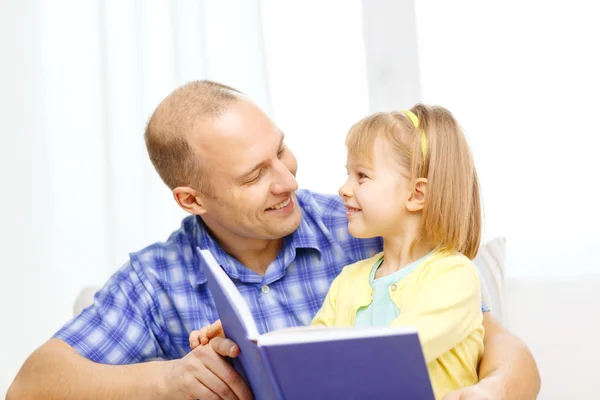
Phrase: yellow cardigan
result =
(441, 298)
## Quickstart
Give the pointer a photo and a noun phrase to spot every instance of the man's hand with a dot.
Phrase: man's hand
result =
(57, 371)
(480, 391)
(204, 374)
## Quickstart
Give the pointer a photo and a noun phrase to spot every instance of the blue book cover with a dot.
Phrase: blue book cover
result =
(319, 363)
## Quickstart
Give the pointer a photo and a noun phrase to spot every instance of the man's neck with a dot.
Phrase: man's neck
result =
(254, 254)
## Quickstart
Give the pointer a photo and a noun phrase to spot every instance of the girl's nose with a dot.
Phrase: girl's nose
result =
(345, 191)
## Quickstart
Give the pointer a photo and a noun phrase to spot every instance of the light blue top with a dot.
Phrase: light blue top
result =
(382, 309)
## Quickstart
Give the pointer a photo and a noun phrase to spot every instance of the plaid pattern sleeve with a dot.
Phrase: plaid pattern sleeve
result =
(118, 328)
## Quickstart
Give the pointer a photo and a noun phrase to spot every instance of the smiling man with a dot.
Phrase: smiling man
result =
(226, 164)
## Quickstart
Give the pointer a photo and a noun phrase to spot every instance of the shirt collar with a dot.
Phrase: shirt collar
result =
(305, 237)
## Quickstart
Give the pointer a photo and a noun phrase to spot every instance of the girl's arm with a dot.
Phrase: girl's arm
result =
(326, 315)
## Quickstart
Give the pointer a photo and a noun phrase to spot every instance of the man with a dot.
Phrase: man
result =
(227, 165)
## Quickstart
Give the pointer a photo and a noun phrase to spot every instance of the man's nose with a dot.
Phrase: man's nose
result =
(285, 181)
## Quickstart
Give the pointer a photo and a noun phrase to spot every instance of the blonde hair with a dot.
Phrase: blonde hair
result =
(452, 215)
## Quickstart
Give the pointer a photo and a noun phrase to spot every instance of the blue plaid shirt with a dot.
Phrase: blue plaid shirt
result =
(148, 308)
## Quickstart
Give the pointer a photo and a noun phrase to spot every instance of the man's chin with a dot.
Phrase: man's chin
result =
(287, 227)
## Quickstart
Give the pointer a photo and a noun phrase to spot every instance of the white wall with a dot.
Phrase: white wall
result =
(391, 54)
(317, 75)
(26, 232)
(78, 82)
(522, 78)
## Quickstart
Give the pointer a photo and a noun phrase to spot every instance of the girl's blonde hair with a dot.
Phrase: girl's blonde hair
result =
(452, 214)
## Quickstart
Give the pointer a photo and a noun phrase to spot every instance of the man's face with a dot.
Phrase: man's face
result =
(251, 172)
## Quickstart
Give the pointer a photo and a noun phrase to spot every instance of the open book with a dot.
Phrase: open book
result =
(319, 363)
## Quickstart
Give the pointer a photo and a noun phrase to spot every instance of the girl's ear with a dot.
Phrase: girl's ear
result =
(416, 201)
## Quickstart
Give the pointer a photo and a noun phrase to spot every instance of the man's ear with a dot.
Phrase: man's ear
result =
(416, 201)
(190, 199)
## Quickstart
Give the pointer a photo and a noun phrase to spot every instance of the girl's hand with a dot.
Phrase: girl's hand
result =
(204, 335)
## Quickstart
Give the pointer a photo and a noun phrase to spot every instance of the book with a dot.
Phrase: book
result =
(318, 363)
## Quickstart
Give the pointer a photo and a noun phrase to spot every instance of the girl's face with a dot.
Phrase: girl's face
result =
(376, 194)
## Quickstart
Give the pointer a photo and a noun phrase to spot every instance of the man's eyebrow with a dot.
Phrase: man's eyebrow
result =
(265, 162)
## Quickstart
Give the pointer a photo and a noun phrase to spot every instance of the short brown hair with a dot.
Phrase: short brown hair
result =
(166, 132)
(452, 212)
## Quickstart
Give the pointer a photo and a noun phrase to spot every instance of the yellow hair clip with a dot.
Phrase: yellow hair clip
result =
(415, 121)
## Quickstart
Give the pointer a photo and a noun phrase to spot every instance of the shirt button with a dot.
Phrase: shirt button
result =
(393, 287)
(265, 289)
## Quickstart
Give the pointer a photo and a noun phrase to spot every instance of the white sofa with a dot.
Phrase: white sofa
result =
(557, 317)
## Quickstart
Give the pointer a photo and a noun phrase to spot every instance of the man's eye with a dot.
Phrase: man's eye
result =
(257, 177)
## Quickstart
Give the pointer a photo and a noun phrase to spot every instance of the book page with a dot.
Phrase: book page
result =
(294, 329)
(306, 334)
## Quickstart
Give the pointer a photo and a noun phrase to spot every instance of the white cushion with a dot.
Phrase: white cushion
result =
(490, 263)
(557, 317)
(84, 299)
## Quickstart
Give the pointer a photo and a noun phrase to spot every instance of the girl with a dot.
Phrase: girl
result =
(411, 180)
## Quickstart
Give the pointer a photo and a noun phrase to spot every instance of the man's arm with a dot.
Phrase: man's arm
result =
(507, 370)
(101, 353)
(57, 371)
(507, 366)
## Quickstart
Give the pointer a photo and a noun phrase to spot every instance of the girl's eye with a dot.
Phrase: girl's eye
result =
(362, 176)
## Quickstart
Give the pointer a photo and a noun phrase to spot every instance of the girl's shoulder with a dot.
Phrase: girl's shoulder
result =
(443, 261)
